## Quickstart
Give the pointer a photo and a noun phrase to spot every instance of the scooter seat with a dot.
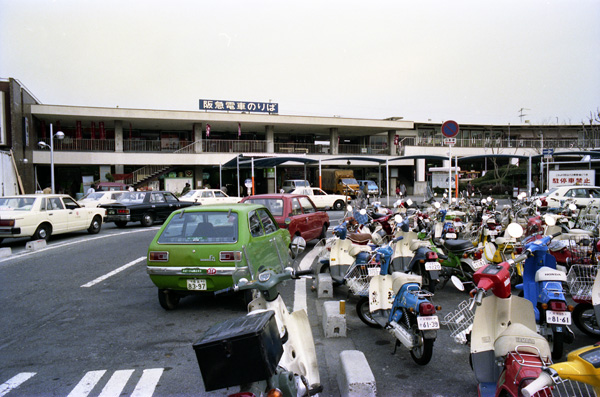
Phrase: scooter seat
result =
(458, 245)
(518, 334)
(360, 238)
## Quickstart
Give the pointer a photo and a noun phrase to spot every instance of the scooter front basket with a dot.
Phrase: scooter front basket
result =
(460, 322)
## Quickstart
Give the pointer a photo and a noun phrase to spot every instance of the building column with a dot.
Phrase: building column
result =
(270, 138)
(198, 137)
(334, 136)
(420, 182)
(118, 136)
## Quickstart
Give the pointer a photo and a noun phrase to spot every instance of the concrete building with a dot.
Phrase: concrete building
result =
(161, 148)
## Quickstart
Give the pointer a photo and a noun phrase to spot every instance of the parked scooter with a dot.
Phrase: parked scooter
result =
(542, 286)
(397, 303)
(582, 365)
(268, 349)
(506, 350)
(582, 280)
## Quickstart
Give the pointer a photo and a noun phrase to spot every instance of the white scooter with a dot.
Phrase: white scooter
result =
(269, 348)
(505, 347)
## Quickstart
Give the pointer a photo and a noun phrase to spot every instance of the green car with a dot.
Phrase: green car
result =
(198, 249)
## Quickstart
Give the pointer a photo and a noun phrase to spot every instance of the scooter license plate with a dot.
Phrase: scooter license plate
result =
(478, 263)
(428, 322)
(373, 271)
(563, 318)
(450, 235)
(433, 266)
(196, 284)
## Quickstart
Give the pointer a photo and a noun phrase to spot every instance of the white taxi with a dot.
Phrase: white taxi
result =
(41, 215)
(94, 199)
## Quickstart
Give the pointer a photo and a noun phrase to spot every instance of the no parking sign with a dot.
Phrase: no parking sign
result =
(450, 129)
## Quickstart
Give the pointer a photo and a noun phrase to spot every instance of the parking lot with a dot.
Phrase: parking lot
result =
(83, 318)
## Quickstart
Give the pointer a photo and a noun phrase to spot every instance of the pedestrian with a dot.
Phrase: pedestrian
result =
(366, 192)
(186, 188)
(131, 188)
(397, 191)
(402, 190)
(92, 189)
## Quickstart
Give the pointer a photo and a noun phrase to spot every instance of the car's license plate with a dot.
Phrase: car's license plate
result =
(553, 317)
(433, 266)
(428, 322)
(196, 284)
(450, 235)
(478, 263)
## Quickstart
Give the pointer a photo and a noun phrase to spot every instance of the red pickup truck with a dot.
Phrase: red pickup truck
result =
(295, 212)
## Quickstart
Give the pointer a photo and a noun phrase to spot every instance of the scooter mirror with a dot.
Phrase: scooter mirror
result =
(514, 230)
(483, 201)
(485, 218)
(549, 219)
(363, 212)
(409, 202)
(349, 208)
(436, 205)
(489, 199)
(538, 203)
(454, 199)
(445, 195)
(457, 283)
(572, 207)
(297, 246)
(398, 218)
(522, 195)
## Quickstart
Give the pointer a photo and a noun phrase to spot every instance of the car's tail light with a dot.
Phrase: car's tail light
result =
(426, 309)
(230, 256)
(7, 222)
(123, 211)
(158, 256)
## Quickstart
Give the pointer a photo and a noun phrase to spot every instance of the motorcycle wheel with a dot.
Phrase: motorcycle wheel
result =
(584, 318)
(423, 351)
(557, 345)
(363, 312)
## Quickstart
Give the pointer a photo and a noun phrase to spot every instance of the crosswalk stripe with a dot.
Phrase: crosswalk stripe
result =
(116, 383)
(86, 384)
(15, 382)
(148, 382)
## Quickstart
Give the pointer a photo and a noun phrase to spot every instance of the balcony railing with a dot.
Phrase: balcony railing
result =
(248, 146)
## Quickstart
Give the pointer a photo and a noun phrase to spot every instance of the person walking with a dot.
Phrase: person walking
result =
(186, 188)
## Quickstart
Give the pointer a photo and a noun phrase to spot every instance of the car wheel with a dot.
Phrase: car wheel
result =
(147, 220)
(95, 226)
(338, 205)
(121, 224)
(323, 232)
(168, 299)
(42, 232)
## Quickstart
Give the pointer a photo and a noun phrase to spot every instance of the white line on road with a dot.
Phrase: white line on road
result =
(148, 382)
(300, 288)
(86, 384)
(15, 382)
(107, 275)
(116, 383)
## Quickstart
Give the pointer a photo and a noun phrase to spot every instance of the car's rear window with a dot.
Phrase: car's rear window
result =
(274, 205)
(16, 203)
(201, 228)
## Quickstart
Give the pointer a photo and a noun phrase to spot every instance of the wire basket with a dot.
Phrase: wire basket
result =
(359, 275)
(580, 248)
(567, 388)
(580, 280)
(460, 322)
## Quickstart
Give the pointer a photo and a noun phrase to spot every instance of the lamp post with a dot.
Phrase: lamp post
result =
(58, 135)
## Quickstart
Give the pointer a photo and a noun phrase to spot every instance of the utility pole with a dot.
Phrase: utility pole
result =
(521, 115)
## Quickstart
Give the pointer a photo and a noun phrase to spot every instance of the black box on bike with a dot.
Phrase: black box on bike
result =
(240, 350)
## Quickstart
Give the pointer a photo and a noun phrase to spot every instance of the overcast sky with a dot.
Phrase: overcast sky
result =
(472, 61)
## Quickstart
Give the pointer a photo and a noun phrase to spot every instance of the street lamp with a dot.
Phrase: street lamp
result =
(58, 135)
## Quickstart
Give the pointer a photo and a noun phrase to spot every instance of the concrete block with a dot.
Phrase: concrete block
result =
(4, 252)
(334, 322)
(35, 245)
(356, 378)
(324, 285)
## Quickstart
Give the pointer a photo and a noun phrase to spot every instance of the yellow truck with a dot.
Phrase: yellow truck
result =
(339, 182)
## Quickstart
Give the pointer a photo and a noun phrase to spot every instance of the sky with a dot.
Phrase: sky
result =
(472, 61)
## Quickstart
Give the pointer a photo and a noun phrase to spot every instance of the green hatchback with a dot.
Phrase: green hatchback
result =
(198, 249)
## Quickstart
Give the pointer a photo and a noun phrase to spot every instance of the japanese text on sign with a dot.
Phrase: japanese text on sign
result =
(239, 106)
(571, 177)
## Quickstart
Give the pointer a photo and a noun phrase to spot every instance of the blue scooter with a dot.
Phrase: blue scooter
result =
(542, 286)
(397, 303)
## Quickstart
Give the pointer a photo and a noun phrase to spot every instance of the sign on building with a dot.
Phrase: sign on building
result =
(571, 177)
(238, 106)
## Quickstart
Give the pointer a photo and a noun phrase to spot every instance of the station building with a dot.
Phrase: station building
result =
(163, 149)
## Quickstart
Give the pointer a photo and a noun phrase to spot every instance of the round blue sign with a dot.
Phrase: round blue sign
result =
(450, 129)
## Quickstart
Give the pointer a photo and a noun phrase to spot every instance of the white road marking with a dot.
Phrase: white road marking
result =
(15, 382)
(116, 383)
(78, 241)
(300, 287)
(148, 382)
(86, 384)
(107, 275)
